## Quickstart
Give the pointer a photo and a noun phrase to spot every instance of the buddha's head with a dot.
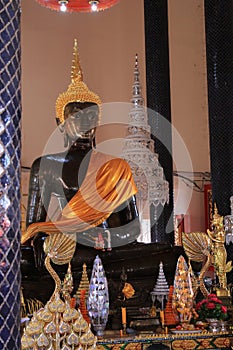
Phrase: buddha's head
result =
(78, 109)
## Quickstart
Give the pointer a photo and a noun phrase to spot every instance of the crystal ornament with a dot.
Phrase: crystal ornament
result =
(161, 289)
(138, 151)
(228, 222)
(98, 298)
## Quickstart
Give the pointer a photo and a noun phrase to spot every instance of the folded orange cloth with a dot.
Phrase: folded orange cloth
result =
(108, 184)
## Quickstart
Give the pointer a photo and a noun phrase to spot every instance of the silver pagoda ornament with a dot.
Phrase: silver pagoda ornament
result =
(139, 152)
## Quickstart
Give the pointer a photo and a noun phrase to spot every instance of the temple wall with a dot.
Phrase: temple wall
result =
(189, 104)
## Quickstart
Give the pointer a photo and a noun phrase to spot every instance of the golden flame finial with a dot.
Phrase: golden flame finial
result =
(215, 209)
(76, 70)
(216, 216)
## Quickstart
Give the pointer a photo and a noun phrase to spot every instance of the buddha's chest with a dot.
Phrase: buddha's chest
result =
(66, 180)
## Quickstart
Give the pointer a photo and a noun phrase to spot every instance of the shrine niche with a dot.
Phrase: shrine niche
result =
(107, 230)
(97, 228)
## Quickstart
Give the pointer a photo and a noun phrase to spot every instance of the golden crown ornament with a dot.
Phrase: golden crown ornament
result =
(77, 90)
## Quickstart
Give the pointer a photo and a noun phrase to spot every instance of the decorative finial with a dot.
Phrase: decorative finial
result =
(139, 152)
(67, 284)
(215, 209)
(137, 99)
(217, 219)
(76, 70)
(136, 61)
(77, 90)
(84, 283)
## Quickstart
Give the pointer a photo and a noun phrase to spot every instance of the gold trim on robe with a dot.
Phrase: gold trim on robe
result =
(108, 183)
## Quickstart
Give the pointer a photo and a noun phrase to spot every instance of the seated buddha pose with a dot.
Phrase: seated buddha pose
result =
(95, 191)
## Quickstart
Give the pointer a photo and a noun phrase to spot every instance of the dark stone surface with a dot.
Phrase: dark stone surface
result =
(158, 102)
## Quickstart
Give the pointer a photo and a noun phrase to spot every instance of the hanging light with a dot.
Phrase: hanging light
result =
(78, 5)
(63, 5)
(94, 5)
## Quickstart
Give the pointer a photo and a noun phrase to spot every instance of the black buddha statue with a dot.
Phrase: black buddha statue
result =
(101, 211)
(96, 196)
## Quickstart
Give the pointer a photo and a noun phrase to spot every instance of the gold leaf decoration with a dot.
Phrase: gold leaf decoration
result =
(34, 327)
(73, 339)
(64, 327)
(42, 341)
(70, 314)
(45, 315)
(60, 248)
(27, 342)
(51, 328)
(197, 245)
(56, 305)
(80, 325)
(87, 338)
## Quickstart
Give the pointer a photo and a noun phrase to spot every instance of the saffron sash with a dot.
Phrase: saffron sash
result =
(108, 184)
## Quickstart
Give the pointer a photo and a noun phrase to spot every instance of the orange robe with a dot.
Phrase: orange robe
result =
(108, 184)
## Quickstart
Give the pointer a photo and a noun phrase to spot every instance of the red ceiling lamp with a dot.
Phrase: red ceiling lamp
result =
(78, 5)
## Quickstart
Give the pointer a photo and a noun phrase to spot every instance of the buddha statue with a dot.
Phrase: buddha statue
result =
(95, 193)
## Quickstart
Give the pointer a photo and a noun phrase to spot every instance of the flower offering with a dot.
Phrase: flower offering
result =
(211, 308)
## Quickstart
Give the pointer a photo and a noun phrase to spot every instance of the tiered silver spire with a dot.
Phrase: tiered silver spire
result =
(138, 151)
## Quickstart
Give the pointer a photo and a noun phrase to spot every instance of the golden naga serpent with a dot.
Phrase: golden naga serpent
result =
(197, 246)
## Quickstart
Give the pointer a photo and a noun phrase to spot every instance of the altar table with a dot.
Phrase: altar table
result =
(195, 341)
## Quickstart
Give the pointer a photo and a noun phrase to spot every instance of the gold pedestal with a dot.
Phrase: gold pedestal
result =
(223, 292)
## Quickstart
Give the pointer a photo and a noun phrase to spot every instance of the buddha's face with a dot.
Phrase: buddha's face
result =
(81, 120)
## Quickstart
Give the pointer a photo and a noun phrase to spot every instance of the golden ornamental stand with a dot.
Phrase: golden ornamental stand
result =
(58, 326)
